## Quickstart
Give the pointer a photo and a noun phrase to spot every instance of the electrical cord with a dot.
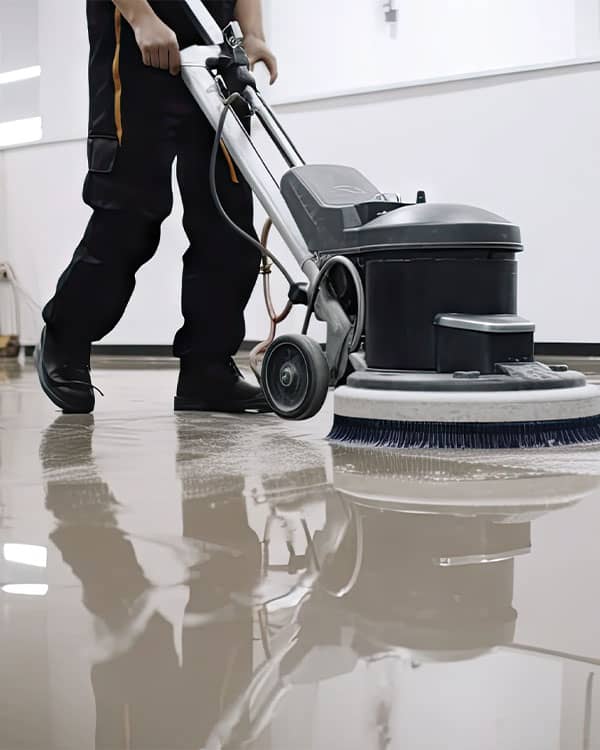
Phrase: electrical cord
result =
(360, 297)
(324, 271)
(274, 317)
(215, 194)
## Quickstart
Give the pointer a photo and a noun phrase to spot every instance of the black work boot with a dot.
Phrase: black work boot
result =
(64, 374)
(217, 385)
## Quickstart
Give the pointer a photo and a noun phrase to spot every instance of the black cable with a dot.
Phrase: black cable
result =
(360, 296)
(215, 194)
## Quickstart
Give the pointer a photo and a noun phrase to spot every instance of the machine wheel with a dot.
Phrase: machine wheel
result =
(295, 376)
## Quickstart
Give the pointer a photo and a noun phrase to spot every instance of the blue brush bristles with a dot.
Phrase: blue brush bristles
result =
(465, 435)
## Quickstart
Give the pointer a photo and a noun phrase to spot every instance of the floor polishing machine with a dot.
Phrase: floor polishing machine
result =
(424, 344)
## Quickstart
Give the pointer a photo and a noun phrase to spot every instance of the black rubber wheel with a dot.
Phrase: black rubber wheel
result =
(295, 376)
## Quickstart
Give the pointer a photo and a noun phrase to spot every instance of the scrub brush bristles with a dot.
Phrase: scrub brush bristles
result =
(465, 435)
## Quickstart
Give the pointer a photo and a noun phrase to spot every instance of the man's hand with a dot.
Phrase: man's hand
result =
(157, 42)
(258, 51)
(249, 14)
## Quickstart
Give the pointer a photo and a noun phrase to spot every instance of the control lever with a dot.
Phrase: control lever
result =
(233, 35)
(232, 65)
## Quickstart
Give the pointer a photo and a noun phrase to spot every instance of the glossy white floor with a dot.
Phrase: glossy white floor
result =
(199, 581)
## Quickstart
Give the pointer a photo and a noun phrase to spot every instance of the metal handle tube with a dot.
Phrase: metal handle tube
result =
(277, 122)
(273, 127)
(208, 28)
(204, 90)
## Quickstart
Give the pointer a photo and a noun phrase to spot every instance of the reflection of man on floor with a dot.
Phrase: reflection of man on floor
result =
(157, 685)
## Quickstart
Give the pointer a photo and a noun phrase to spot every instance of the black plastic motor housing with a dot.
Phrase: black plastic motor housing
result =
(451, 259)
(416, 260)
(404, 295)
(479, 351)
(339, 211)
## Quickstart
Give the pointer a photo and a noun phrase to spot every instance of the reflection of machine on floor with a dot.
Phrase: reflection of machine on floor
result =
(444, 541)
(419, 568)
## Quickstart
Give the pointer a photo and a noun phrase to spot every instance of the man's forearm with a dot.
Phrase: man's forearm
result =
(250, 17)
(134, 11)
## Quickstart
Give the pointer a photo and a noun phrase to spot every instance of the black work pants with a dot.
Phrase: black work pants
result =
(129, 188)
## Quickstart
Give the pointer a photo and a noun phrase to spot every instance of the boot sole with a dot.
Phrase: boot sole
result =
(45, 383)
(186, 404)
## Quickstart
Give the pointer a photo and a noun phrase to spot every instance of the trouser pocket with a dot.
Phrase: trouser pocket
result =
(102, 153)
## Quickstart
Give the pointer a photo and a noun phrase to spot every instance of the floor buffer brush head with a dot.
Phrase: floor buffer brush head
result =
(508, 419)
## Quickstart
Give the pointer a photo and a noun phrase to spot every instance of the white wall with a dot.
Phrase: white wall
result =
(3, 222)
(430, 40)
(19, 100)
(523, 145)
(18, 34)
(63, 92)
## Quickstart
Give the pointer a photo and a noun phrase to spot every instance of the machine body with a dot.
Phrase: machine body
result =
(424, 344)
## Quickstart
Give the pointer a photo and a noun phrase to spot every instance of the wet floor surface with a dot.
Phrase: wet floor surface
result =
(172, 582)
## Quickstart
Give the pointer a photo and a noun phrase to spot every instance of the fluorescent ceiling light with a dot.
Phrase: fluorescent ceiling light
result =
(26, 554)
(23, 74)
(26, 589)
(17, 132)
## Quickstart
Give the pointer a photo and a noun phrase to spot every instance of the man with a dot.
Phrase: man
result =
(142, 117)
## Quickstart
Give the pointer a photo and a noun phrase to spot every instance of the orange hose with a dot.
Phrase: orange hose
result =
(274, 318)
